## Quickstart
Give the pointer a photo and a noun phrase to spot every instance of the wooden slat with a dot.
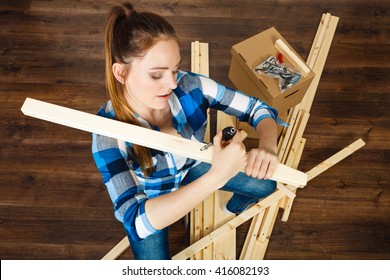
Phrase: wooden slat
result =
(263, 204)
(115, 252)
(264, 236)
(284, 141)
(325, 165)
(291, 157)
(139, 135)
(319, 38)
(227, 227)
(300, 114)
(251, 236)
(202, 217)
(320, 55)
(292, 57)
(225, 247)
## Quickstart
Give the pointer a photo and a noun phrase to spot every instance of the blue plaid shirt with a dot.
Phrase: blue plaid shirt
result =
(127, 185)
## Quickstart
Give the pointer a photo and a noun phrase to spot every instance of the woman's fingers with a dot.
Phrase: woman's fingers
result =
(261, 164)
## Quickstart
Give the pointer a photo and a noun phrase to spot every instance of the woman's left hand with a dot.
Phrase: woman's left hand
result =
(261, 163)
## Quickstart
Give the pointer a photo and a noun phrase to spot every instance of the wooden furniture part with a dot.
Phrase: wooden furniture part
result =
(300, 113)
(291, 143)
(139, 135)
(208, 215)
(260, 207)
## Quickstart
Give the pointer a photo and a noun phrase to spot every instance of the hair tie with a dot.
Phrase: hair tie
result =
(129, 13)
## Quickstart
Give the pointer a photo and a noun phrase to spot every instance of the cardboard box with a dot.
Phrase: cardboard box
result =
(249, 53)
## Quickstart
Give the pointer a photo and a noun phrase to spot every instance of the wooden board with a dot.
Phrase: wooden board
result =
(139, 135)
(267, 203)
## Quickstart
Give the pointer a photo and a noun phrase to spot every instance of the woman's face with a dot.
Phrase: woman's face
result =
(152, 77)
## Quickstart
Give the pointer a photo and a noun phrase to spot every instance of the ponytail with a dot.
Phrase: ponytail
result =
(129, 35)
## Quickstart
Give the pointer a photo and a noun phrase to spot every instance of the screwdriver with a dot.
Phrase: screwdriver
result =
(227, 134)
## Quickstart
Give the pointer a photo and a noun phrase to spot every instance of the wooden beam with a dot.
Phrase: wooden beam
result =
(251, 236)
(296, 62)
(140, 135)
(262, 240)
(325, 165)
(289, 149)
(258, 248)
(287, 131)
(263, 204)
(119, 248)
(318, 55)
(296, 140)
(319, 38)
(227, 227)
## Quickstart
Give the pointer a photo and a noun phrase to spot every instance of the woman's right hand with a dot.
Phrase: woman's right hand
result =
(228, 159)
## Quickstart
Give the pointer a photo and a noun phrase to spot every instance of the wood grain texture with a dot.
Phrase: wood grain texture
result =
(53, 204)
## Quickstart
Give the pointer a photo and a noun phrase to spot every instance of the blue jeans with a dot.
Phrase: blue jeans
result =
(246, 191)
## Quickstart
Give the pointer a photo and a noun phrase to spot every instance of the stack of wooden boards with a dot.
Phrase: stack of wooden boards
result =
(220, 242)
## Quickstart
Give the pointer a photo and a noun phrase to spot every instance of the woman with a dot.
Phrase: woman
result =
(152, 189)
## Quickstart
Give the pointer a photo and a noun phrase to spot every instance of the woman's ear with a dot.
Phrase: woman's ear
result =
(119, 71)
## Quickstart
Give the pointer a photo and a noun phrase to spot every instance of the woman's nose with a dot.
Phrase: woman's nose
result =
(171, 82)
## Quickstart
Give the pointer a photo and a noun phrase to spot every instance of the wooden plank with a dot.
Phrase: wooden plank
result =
(283, 143)
(288, 201)
(197, 214)
(115, 252)
(260, 247)
(292, 57)
(319, 38)
(316, 60)
(290, 139)
(325, 165)
(204, 59)
(225, 247)
(297, 133)
(265, 203)
(297, 159)
(195, 48)
(251, 236)
(291, 157)
(265, 232)
(140, 135)
(320, 60)
(197, 227)
(207, 224)
(286, 191)
(227, 227)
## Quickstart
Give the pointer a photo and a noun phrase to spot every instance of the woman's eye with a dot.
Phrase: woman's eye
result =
(155, 77)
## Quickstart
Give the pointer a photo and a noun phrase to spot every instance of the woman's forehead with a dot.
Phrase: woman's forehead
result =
(165, 54)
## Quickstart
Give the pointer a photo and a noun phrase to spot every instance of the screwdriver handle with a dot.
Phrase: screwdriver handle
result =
(228, 133)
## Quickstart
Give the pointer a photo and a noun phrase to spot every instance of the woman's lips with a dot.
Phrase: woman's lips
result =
(165, 96)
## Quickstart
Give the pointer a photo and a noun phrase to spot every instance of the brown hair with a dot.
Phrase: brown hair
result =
(130, 35)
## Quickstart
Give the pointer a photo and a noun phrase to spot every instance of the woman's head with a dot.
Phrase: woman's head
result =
(132, 37)
(130, 34)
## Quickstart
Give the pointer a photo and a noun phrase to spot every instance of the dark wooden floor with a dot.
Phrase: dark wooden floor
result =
(53, 204)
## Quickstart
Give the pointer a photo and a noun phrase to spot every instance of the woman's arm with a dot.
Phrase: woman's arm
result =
(263, 160)
(121, 185)
(227, 162)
